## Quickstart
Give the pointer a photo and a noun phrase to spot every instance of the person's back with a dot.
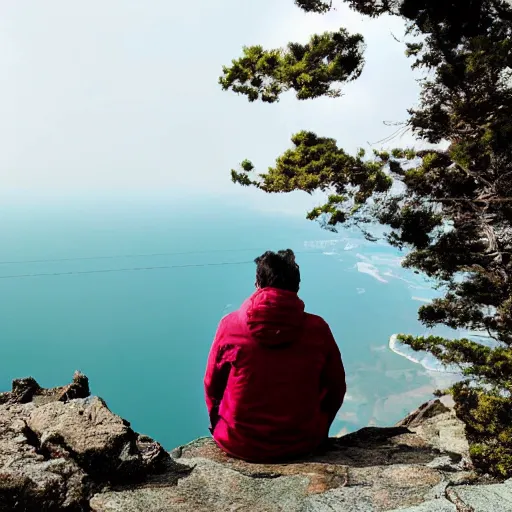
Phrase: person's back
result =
(274, 380)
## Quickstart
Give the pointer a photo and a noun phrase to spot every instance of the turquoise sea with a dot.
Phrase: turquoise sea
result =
(131, 295)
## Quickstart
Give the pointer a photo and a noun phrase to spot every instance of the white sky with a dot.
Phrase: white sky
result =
(121, 96)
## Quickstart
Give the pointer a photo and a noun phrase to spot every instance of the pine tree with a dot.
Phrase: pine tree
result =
(451, 209)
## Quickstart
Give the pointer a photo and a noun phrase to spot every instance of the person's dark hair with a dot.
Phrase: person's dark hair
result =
(278, 270)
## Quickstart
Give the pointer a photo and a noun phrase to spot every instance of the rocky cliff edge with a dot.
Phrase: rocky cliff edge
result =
(61, 449)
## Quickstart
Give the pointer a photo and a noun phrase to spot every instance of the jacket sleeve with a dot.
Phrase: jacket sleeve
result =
(216, 376)
(333, 378)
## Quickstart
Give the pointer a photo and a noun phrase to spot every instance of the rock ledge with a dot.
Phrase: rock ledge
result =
(61, 449)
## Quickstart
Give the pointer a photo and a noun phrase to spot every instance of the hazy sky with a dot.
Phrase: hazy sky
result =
(122, 95)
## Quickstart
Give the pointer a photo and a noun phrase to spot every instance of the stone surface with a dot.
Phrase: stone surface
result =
(437, 505)
(61, 449)
(436, 423)
(494, 497)
(27, 478)
(374, 469)
(58, 447)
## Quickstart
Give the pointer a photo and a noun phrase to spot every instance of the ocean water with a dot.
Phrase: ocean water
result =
(131, 295)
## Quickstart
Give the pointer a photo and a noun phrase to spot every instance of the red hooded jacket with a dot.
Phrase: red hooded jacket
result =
(274, 380)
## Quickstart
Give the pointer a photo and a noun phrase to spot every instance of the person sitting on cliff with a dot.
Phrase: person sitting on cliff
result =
(274, 380)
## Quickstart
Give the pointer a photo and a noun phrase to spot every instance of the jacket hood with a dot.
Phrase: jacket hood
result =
(274, 317)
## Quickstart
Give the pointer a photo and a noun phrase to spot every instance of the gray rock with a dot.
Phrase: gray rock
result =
(438, 425)
(440, 505)
(61, 449)
(86, 431)
(29, 481)
(370, 470)
(57, 450)
(482, 498)
(28, 390)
